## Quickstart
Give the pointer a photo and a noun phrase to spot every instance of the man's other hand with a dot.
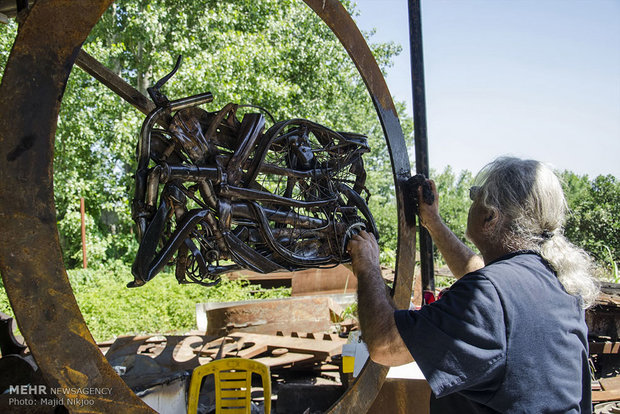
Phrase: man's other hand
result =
(429, 213)
(364, 252)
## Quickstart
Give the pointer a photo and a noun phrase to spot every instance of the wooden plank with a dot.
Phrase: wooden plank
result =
(611, 383)
(288, 359)
(235, 349)
(259, 344)
(300, 345)
(604, 347)
(602, 396)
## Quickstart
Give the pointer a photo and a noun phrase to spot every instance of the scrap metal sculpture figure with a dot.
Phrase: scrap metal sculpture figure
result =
(234, 196)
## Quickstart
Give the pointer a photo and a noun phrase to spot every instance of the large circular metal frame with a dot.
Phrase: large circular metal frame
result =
(30, 256)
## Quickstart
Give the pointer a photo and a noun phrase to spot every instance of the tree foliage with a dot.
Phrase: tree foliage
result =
(594, 220)
(454, 199)
(274, 54)
(7, 35)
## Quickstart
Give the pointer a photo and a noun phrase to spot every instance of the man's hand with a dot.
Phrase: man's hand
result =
(364, 252)
(429, 213)
(458, 256)
(375, 308)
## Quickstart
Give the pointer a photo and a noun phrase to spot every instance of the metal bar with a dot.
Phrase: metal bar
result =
(189, 173)
(288, 255)
(240, 193)
(189, 101)
(241, 210)
(420, 133)
(249, 133)
(31, 262)
(82, 218)
(114, 82)
(362, 393)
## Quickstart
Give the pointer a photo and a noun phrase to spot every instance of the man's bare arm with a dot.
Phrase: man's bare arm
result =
(375, 307)
(458, 256)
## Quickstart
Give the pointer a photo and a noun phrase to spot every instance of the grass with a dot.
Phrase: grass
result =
(162, 305)
(613, 272)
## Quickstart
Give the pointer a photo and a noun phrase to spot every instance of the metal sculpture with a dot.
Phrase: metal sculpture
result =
(232, 195)
(30, 257)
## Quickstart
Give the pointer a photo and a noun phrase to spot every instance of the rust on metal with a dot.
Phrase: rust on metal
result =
(365, 389)
(400, 395)
(11, 8)
(324, 281)
(30, 257)
(603, 319)
(302, 314)
(333, 13)
(145, 361)
(116, 84)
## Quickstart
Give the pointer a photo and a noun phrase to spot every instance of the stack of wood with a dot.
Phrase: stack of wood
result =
(603, 321)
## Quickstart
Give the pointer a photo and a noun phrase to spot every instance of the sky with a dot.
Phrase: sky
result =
(530, 78)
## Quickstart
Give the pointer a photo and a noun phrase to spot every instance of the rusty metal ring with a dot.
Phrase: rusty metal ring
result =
(30, 257)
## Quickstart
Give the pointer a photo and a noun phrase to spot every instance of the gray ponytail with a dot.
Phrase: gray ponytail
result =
(529, 199)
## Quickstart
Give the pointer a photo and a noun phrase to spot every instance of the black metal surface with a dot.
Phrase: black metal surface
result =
(420, 133)
(298, 209)
(8, 342)
(11, 8)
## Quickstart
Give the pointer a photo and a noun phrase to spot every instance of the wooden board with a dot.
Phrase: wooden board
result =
(250, 345)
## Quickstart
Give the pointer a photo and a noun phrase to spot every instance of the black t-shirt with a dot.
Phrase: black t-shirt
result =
(506, 338)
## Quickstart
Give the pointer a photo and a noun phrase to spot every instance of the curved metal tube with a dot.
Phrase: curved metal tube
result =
(281, 250)
(30, 257)
(363, 392)
(158, 115)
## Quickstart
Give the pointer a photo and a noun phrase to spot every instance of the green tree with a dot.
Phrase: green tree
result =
(593, 222)
(454, 199)
(7, 35)
(273, 53)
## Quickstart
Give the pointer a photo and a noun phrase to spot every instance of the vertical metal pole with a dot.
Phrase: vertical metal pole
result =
(83, 214)
(420, 137)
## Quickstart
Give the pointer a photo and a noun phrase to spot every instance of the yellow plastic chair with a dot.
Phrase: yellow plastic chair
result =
(233, 385)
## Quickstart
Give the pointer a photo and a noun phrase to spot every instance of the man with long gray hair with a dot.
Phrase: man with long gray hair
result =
(509, 336)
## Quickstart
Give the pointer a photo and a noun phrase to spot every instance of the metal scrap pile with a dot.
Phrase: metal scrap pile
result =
(603, 321)
(304, 365)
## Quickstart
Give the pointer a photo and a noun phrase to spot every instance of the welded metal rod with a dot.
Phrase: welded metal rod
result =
(116, 84)
(83, 222)
(420, 133)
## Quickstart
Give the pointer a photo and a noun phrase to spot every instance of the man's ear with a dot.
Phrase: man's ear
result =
(491, 219)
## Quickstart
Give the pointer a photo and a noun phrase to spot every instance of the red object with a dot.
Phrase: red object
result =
(429, 297)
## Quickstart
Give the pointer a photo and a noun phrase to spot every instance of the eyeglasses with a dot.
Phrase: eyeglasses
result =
(473, 192)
